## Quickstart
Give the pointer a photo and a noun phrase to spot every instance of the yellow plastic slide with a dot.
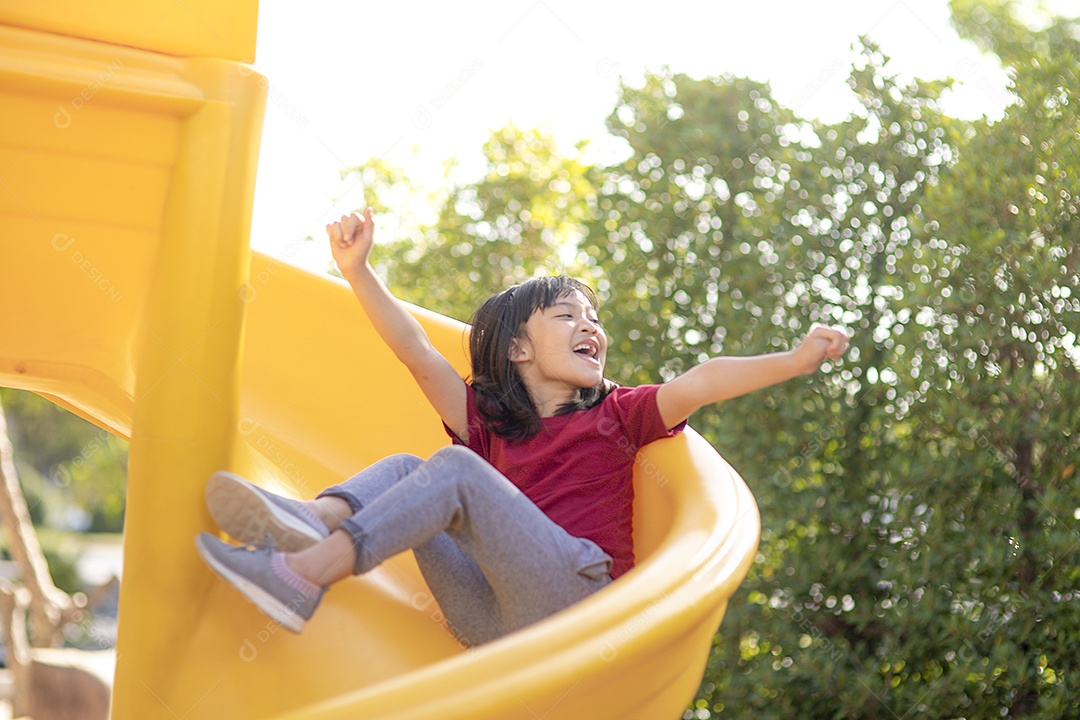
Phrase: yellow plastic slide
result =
(129, 134)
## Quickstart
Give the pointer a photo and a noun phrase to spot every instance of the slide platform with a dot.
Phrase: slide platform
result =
(129, 138)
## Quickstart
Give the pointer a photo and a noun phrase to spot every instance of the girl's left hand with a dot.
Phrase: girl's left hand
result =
(351, 239)
(820, 343)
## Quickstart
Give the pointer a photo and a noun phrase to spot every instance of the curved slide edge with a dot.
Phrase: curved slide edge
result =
(636, 649)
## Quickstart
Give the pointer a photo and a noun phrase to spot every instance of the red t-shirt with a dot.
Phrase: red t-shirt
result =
(578, 469)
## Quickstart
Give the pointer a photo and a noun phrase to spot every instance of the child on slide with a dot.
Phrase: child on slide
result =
(530, 509)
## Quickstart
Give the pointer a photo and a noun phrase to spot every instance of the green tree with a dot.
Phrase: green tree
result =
(739, 225)
(523, 218)
(68, 467)
(915, 552)
(995, 366)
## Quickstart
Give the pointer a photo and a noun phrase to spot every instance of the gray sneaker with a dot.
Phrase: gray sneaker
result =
(251, 514)
(251, 571)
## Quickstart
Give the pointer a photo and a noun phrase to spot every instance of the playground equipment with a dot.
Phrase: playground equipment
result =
(129, 295)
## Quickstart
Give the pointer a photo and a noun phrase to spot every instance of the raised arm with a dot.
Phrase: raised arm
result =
(724, 378)
(350, 242)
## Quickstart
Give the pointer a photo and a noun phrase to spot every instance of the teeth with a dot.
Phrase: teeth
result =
(587, 347)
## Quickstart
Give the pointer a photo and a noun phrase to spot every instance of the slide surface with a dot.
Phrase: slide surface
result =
(130, 296)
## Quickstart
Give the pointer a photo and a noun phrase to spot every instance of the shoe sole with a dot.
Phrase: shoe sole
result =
(279, 612)
(239, 509)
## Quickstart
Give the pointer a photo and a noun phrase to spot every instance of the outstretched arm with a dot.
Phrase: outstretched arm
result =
(350, 242)
(724, 378)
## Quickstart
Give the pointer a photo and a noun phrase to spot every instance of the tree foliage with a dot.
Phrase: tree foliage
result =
(524, 217)
(73, 474)
(739, 252)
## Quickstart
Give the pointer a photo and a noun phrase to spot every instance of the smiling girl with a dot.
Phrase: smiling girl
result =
(530, 509)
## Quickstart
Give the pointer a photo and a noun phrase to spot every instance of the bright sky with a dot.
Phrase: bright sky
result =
(418, 82)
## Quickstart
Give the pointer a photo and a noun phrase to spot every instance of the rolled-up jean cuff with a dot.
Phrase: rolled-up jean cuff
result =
(338, 492)
(359, 548)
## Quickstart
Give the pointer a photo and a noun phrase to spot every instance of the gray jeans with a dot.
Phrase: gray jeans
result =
(492, 559)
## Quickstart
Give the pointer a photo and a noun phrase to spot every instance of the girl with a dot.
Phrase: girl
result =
(530, 509)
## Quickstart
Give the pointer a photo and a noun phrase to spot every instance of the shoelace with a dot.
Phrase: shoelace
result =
(267, 544)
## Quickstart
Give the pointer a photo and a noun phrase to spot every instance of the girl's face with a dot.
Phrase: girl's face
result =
(562, 344)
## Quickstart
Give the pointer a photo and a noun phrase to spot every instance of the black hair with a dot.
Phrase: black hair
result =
(502, 398)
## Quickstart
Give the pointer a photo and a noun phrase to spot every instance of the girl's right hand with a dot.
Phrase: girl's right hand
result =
(350, 241)
(821, 344)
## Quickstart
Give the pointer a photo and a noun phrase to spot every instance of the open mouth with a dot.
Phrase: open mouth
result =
(588, 350)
